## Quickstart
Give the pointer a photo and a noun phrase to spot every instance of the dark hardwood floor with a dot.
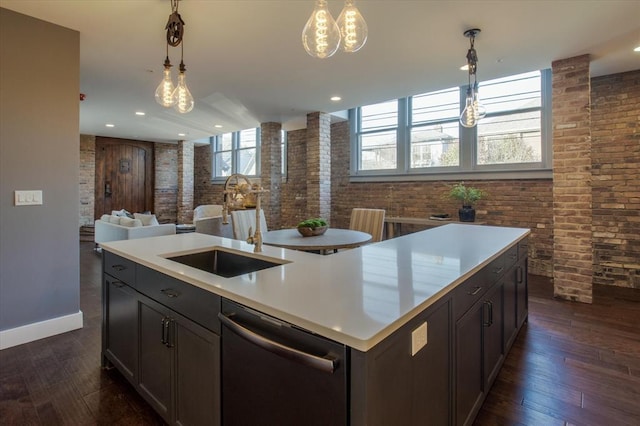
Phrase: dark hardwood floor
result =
(572, 364)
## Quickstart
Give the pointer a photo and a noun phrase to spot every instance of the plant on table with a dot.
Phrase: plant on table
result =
(311, 227)
(467, 195)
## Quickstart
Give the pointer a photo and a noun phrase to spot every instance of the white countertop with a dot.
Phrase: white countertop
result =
(356, 297)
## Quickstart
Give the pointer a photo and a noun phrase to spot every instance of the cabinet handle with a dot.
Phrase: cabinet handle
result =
(519, 275)
(476, 291)
(163, 339)
(169, 292)
(169, 340)
(499, 270)
(118, 267)
(489, 321)
(118, 284)
(326, 363)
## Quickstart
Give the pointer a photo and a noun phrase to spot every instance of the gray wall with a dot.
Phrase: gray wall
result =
(39, 149)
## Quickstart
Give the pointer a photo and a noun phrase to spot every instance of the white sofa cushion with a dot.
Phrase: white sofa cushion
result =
(146, 219)
(114, 219)
(131, 223)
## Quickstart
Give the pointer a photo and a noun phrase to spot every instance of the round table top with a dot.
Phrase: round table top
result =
(333, 239)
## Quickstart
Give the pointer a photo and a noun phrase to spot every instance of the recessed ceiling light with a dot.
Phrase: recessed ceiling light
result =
(182, 134)
(336, 98)
(637, 49)
(110, 125)
(218, 126)
(139, 113)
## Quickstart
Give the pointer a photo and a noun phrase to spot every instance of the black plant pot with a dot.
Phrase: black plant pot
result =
(467, 214)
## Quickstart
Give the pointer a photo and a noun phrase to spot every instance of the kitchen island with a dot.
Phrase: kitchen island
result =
(415, 315)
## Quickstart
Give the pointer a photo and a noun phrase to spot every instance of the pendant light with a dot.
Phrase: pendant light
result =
(166, 94)
(322, 36)
(473, 109)
(353, 28)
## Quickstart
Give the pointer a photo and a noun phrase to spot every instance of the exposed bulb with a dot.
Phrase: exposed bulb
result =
(321, 35)
(164, 91)
(468, 116)
(479, 109)
(182, 99)
(353, 28)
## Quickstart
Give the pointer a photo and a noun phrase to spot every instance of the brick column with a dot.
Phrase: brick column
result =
(319, 165)
(572, 214)
(87, 179)
(185, 181)
(271, 171)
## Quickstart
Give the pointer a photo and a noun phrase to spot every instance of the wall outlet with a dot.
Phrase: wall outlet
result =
(28, 198)
(418, 338)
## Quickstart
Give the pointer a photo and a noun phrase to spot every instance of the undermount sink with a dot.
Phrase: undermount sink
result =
(224, 263)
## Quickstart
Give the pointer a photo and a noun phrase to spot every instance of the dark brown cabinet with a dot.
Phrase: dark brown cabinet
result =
(172, 360)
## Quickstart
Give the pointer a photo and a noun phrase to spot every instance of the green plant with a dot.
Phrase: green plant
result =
(312, 223)
(466, 194)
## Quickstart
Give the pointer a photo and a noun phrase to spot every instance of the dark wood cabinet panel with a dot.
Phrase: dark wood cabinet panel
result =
(493, 342)
(468, 374)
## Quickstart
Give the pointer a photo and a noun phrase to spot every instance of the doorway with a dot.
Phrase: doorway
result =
(124, 176)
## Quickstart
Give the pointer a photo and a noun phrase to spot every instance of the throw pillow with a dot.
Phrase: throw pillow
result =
(147, 219)
(122, 213)
(114, 219)
(131, 223)
(105, 217)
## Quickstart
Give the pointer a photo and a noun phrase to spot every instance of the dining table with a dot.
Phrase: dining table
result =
(331, 241)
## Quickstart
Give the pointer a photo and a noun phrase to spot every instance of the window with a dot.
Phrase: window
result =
(237, 152)
(421, 135)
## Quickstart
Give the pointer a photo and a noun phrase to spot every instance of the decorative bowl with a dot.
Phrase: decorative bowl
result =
(311, 232)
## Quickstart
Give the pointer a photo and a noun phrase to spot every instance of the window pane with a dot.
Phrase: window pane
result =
(247, 159)
(379, 116)
(247, 138)
(222, 163)
(437, 145)
(511, 93)
(378, 150)
(224, 142)
(512, 138)
(433, 106)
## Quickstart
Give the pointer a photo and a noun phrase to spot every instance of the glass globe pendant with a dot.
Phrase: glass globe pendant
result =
(321, 35)
(479, 109)
(353, 28)
(165, 89)
(182, 99)
(468, 116)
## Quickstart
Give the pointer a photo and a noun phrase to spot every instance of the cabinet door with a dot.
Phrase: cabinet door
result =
(523, 291)
(197, 374)
(468, 350)
(493, 346)
(510, 307)
(120, 337)
(154, 377)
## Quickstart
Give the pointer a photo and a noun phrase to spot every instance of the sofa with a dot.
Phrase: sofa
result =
(115, 227)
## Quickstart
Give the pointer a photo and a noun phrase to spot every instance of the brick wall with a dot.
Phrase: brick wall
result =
(573, 257)
(87, 176)
(204, 192)
(615, 157)
(185, 181)
(166, 182)
(293, 199)
(271, 171)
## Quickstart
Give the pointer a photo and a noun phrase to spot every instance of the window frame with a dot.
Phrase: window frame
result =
(468, 167)
(236, 152)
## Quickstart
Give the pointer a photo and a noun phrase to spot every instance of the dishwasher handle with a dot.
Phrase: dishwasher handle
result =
(327, 364)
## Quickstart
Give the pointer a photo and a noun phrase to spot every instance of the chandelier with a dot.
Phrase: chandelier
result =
(473, 109)
(179, 97)
(322, 36)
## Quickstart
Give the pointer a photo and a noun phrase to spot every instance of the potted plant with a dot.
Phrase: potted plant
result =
(467, 195)
(312, 227)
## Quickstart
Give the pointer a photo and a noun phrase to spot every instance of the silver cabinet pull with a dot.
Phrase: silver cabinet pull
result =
(326, 364)
(117, 284)
(476, 291)
(119, 267)
(169, 292)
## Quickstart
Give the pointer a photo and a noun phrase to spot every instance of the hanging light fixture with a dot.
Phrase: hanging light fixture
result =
(473, 109)
(322, 35)
(353, 28)
(167, 94)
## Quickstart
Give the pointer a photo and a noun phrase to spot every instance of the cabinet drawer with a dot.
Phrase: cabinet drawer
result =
(510, 256)
(119, 267)
(523, 248)
(193, 302)
(469, 292)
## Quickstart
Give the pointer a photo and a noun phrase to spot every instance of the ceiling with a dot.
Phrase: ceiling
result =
(246, 64)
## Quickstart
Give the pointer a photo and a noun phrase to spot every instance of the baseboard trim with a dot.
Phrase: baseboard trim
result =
(40, 330)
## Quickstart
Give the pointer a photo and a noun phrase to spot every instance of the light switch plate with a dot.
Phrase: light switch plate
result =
(418, 338)
(28, 198)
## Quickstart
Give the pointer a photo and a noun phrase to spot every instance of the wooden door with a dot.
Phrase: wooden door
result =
(124, 176)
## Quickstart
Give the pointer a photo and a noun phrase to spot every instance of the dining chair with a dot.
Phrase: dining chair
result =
(370, 221)
(242, 220)
(207, 210)
(214, 226)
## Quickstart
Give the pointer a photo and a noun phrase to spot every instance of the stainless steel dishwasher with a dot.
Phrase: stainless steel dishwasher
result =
(274, 373)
